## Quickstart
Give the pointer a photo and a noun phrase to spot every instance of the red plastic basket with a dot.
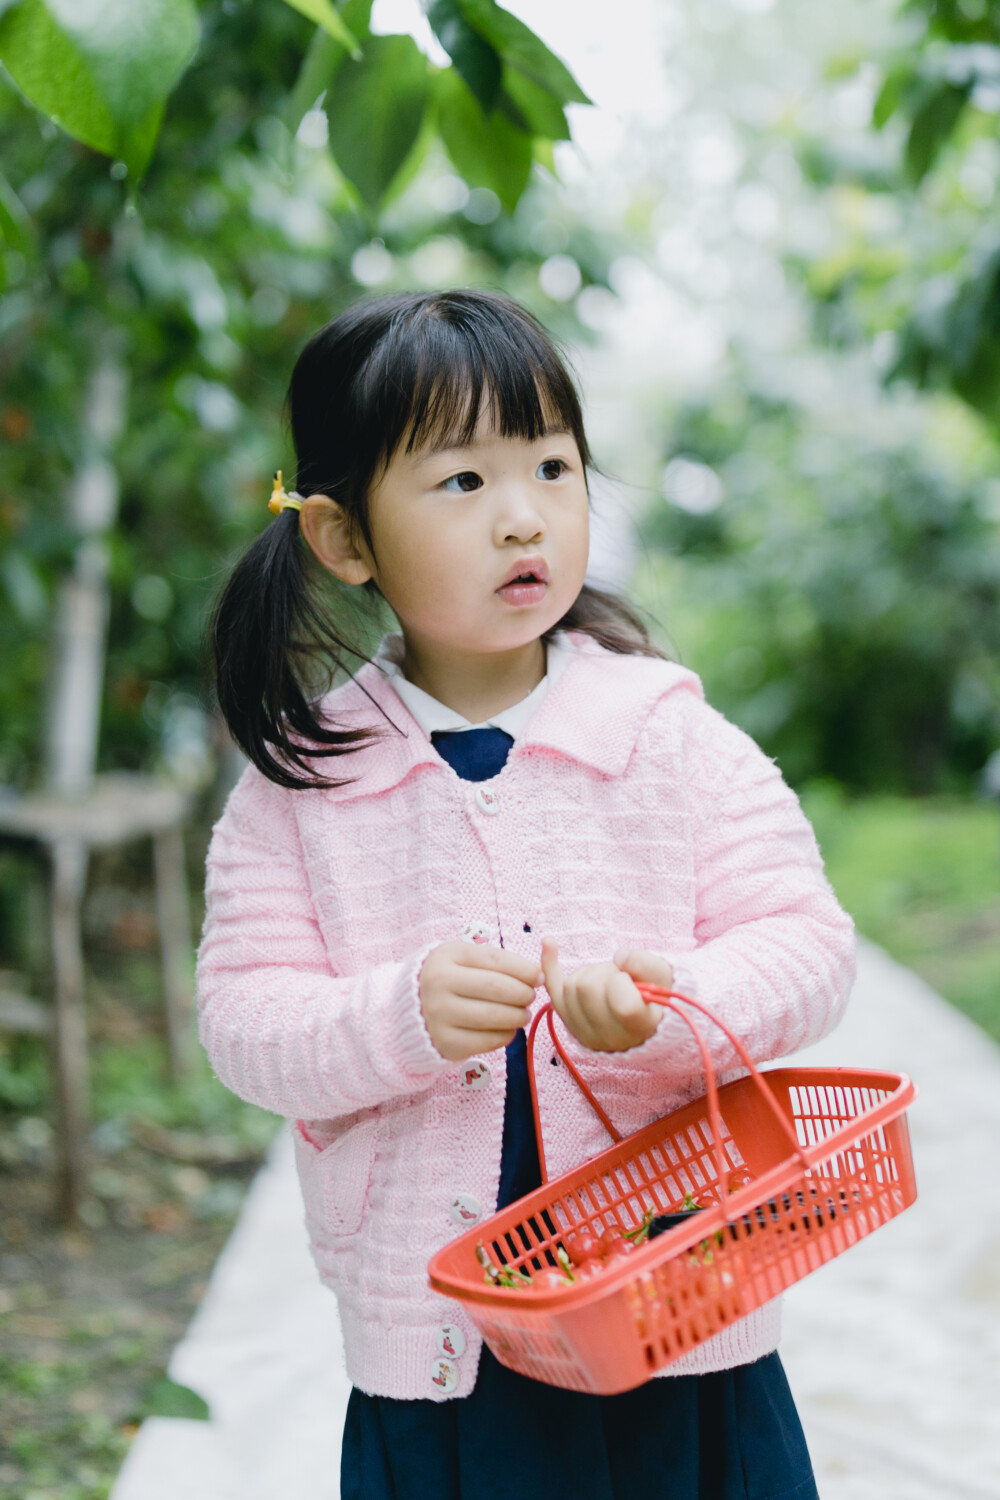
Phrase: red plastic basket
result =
(828, 1152)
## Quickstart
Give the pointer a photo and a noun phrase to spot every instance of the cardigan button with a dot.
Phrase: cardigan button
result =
(465, 1210)
(444, 1376)
(475, 1075)
(451, 1340)
(487, 802)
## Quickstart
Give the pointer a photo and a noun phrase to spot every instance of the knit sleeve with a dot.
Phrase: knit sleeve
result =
(774, 954)
(280, 1027)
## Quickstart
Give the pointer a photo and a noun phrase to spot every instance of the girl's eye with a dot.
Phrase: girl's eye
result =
(463, 483)
(552, 468)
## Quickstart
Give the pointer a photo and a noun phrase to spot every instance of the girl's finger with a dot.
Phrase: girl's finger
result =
(579, 1022)
(482, 1015)
(584, 1005)
(647, 968)
(495, 989)
(627, 1005)
(466, 1043)
(552, 972)
(485, 956)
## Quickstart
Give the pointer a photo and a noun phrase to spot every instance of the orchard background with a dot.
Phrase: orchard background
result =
(766, 232)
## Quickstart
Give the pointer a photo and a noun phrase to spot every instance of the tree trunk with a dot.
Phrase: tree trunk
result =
(82, 609)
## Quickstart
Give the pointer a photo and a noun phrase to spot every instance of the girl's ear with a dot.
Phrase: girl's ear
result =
(327, 528)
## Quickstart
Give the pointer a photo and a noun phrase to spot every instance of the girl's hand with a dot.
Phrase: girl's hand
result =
(475, 998)
(600, 1005)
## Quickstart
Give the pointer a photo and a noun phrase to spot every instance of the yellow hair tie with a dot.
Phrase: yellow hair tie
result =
(280, 498)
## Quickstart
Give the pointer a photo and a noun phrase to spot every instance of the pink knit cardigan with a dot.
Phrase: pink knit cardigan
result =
(629, 813)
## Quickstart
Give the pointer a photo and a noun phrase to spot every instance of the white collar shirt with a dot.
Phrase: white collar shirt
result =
(433, 715)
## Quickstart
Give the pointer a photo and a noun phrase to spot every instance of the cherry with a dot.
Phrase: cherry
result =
(582, 1245)
(616, 1248)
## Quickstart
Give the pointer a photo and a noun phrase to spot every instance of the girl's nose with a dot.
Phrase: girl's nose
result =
(519, 520)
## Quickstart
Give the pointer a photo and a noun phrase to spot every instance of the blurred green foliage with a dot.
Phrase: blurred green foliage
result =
(838, 592)
(824, 547)
(921, 259)
(103, 74)
(244, 237)
(921, 877)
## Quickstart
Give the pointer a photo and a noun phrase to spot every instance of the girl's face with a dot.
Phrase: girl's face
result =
(453, 528)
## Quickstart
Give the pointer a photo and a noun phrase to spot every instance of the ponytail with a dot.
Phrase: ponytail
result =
(266, 626)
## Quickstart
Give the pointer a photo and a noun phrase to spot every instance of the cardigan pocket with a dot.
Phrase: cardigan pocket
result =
(336, 1175)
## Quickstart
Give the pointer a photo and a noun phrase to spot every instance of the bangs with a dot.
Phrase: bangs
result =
(448, 362)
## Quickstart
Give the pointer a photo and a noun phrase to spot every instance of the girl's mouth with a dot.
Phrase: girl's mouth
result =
(526, 585)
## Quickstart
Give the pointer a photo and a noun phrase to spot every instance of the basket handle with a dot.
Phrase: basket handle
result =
(654, 994)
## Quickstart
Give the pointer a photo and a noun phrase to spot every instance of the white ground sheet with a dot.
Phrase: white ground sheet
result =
(893, 1350)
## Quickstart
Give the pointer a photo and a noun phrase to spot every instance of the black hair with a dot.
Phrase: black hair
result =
(405, 369)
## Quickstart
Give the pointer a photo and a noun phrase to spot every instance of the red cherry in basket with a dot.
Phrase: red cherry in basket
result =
(741, 1178)
(616, 1249)
(582, 1245)
(590, 1269)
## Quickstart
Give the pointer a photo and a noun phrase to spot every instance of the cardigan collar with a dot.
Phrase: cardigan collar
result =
(592, 714)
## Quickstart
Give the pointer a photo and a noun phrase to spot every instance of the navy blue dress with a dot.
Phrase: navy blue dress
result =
(730, 1435)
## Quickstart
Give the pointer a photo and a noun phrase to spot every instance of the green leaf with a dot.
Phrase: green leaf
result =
(890, 95)
(139, 141)
(426, 139)
(323, 57)
(488, 152)
(101, 71)
(16, 228)
(357, 14)
(375, 113)
(163, 1397)
(332, 22)
(932, 124)
(522, 49)
(532, 109)
(474, 58)
(544, 155)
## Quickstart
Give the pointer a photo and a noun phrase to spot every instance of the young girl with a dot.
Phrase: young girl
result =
(517, 798)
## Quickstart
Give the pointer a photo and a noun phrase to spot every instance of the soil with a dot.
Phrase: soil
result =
(89, 1316)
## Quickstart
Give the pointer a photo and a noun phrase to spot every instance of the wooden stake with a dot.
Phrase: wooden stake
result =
(175, 943)
(69, 1051)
